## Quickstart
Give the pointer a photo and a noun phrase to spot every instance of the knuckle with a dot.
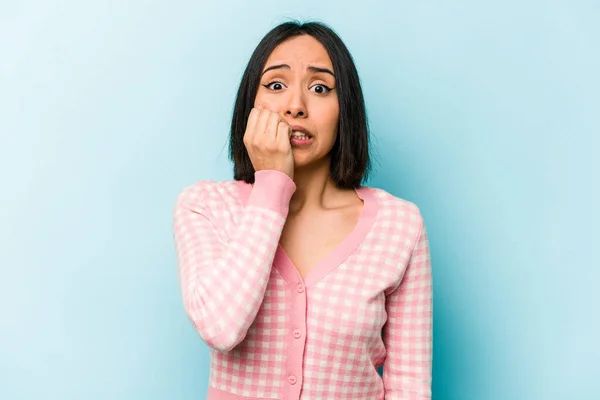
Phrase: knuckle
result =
(253, 114)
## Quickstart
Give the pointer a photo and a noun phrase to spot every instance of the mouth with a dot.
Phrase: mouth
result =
(299, 136)
(300, 133)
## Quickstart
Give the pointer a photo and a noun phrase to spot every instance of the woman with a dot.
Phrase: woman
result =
(302, 281)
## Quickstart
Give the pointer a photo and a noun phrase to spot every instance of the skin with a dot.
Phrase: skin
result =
(320, 215)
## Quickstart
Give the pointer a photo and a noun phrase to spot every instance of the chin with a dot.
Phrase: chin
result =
(306, 161)
(300, 164)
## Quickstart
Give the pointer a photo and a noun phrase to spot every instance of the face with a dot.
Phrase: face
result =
(298, 83)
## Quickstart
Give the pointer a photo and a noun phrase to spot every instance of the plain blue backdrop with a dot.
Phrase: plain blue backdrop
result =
(485, 114)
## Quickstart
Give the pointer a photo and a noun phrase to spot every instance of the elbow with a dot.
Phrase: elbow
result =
(222, 340)
(215, 328)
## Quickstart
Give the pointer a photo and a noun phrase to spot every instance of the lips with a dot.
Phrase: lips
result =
(298, 128)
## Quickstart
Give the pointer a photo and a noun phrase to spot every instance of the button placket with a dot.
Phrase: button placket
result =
(297, 340)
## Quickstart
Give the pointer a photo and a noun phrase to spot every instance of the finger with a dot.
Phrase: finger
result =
(271, 131)
(261, 124)
(284, 133)
(251, 123)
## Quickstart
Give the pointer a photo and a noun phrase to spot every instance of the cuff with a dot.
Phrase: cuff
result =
(273, 190)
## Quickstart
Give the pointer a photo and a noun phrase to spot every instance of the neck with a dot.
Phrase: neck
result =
(314, 189)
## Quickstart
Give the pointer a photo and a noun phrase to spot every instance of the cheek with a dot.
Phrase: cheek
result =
(267, 102)
(328, 118)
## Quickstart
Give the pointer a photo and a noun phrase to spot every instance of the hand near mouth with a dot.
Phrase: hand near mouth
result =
(267, 139)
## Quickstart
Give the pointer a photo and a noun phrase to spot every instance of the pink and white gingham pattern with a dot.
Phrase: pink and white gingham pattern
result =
(274, 335)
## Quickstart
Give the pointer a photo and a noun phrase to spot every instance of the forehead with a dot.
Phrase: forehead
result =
(300, 50)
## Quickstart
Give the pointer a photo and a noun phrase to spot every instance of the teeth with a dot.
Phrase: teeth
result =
(299, 135)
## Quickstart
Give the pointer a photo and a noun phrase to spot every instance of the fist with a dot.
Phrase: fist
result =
(267, 140)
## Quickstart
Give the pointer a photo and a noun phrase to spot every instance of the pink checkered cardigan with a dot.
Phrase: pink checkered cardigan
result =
(274, 335)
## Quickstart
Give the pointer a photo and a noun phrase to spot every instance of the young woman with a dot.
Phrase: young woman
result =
(301, 280)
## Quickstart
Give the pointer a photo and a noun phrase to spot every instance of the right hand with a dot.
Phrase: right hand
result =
(267, 139)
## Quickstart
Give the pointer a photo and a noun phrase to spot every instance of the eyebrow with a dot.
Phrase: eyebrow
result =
(310, 68)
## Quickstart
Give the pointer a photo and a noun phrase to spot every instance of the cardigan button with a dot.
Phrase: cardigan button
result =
(292, 379)
(300, 288)
(297, 333)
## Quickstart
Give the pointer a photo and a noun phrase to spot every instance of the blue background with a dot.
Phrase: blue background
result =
(484, 114)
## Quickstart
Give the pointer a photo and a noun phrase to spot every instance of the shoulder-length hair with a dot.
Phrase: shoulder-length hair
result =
(350, 161)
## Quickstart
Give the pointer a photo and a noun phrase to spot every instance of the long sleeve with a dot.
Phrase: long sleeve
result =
(223, 279)
(407, 334)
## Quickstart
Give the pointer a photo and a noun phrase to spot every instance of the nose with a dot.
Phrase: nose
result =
(296, 106)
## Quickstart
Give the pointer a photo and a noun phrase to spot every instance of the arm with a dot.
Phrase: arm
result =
(223, 282)
(408, 331)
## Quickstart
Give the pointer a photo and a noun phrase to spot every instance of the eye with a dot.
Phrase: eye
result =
(274, 85)
(321, 89)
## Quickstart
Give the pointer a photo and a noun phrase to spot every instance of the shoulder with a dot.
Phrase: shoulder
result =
(209, 193)
(397, 212)
(394, 205)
